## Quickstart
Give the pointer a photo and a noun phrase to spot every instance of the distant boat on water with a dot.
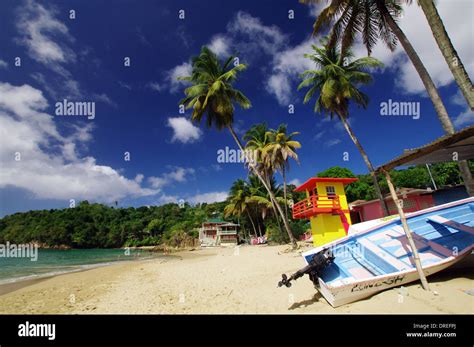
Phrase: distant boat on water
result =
(367, 262)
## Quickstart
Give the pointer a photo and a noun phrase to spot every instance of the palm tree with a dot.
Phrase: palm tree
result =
(376, 19)
(336, 80)
(281, 148)
(260, 198)
(213, 95)
(238, 201)
(257, 139)
(447, 49)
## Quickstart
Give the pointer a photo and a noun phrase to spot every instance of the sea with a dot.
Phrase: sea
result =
(51, 262)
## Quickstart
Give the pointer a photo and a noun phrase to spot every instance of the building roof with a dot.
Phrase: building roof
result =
(313, 180)
(400, 192)
(215, 220)
(440, 150)
(230, 225)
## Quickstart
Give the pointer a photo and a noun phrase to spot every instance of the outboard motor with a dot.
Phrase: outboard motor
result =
(314, 269)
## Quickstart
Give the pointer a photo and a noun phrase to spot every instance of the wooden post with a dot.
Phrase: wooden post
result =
(407, 230)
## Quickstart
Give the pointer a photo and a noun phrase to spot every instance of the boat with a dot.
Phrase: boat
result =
(362, 264)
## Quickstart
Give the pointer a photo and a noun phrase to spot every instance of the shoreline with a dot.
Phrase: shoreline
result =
(239, 280)
(8, 285)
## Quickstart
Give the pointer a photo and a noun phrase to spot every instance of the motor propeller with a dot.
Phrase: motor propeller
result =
(314, 269)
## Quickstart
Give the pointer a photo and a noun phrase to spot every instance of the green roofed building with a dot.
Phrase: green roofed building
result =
(218, 232)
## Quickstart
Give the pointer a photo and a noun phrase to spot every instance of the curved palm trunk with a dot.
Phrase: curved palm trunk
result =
(253, 224)
(274, 207)
(420, 68)
(272, 195)
(432, 92)
(283, 172)
(367, 162)
(447, 49)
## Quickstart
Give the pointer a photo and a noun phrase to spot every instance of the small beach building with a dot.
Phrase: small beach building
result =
(216, 232)
(413, 200)
(326, 207)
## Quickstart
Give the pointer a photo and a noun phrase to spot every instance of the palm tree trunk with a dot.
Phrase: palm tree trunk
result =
(283, 172)
(260, 226)
(420, 68)
(408, 232)
(367, 161)
(432, 92)
(253, 224)
(447, 49)
(272, 195)
(274, 208)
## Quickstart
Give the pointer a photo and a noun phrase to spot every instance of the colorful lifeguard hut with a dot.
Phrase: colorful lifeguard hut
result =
(326, 207)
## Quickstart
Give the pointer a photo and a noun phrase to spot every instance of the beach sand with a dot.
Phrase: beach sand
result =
(222, 280)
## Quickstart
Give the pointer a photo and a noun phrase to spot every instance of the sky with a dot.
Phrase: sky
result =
(137, 148)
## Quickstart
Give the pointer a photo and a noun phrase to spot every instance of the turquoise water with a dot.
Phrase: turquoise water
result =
(53, 262)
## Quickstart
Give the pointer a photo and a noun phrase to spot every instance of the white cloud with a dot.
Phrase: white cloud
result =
(457, 20)
(105, 99)
(50, 166)
(142, 38)
(465, 118)
(295, 181)
(184, 130)
(139, 178)
(207, 198)
(38, 26)
(47, 41)
(220, 45)
(3, 64)
(289, 61)
(177, 174)
(458, 99)
(332, 142)
(125, 85)
(256, 35)
(185, 69)
(287, 66)
(319, 135)
(244, 34)
(196, 199)
(167, 199)
(155, 86)
(315, 9)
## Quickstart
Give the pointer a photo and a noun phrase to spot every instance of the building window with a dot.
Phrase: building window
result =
(331, 191)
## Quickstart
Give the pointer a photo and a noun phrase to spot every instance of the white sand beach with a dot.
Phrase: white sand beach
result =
(222, 280)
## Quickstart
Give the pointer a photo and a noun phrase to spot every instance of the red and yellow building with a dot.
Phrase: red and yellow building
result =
(326, 207)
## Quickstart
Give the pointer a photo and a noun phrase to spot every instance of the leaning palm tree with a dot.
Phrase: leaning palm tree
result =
(374, 20)
(212, 96)
(447, 49)
(335, 83)
(281, 148)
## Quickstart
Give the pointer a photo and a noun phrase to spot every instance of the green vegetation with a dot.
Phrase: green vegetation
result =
(99, 226)
(444, 174)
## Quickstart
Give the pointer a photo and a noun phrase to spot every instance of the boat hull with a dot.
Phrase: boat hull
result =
(340, 290)
(358, 290)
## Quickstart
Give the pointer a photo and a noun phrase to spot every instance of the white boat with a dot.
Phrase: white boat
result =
(365, 263)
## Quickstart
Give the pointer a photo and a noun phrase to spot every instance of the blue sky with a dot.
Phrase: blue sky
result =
(47, 160)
